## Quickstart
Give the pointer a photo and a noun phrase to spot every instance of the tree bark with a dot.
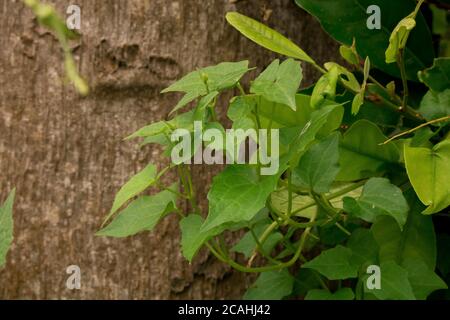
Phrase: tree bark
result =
(65, 154)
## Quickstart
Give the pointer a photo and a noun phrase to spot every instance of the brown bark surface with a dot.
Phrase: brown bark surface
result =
(65, 154)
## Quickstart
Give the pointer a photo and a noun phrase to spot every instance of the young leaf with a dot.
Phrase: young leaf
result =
(6, 227)
(394, 283)
(273, 285)
(379, 197)
(319, 166)
(322, 294)
(153, 129)
(437, 77)
(133, 187)
(237, 194)
(141, 215)
(279, 82)
(266, 37)
(335, 264)
(360, 152)
(357, 102)
(325, 88)
(429, 173)
(349, 53)
(435, 105)
(398, 38)
(201, 82)
(346, 20)
(345, 76)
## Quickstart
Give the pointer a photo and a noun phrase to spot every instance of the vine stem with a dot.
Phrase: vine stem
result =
(333, 195)
(409, 112)
(331, 211)
(241, 89)
(262, 239)
(401, 65)
(282, 265)
(415, 129)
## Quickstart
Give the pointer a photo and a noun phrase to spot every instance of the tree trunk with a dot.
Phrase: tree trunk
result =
(65, 154)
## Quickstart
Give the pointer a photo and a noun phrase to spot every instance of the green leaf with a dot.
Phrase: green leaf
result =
(204, 103)
(237, 194)
(321, 123)
(443, 253)
(364, 249)
(325, 88)
(361, 154)
(379, 197)
(153, 129)
(429, 173)
(266, 37)
(398, 38)
(273, 285)
(349, 53)
(435, 105)
(141, 215)
(437, 77)
(423, 280)
(279, 82)
(394, 283)
(416, 241)
(133, 187)
(319, 165)
(201, 82)
(346, 20)
(322, 294)
(247, 244)
(6, 227)
(240, 106)
(335, 264)
(160, 139)
(357, 102)
(191, 238)
(345, 76)
(306, 280)
(285, 117)
(422, 137)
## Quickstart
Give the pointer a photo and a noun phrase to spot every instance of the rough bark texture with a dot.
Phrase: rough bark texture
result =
(65, 154)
